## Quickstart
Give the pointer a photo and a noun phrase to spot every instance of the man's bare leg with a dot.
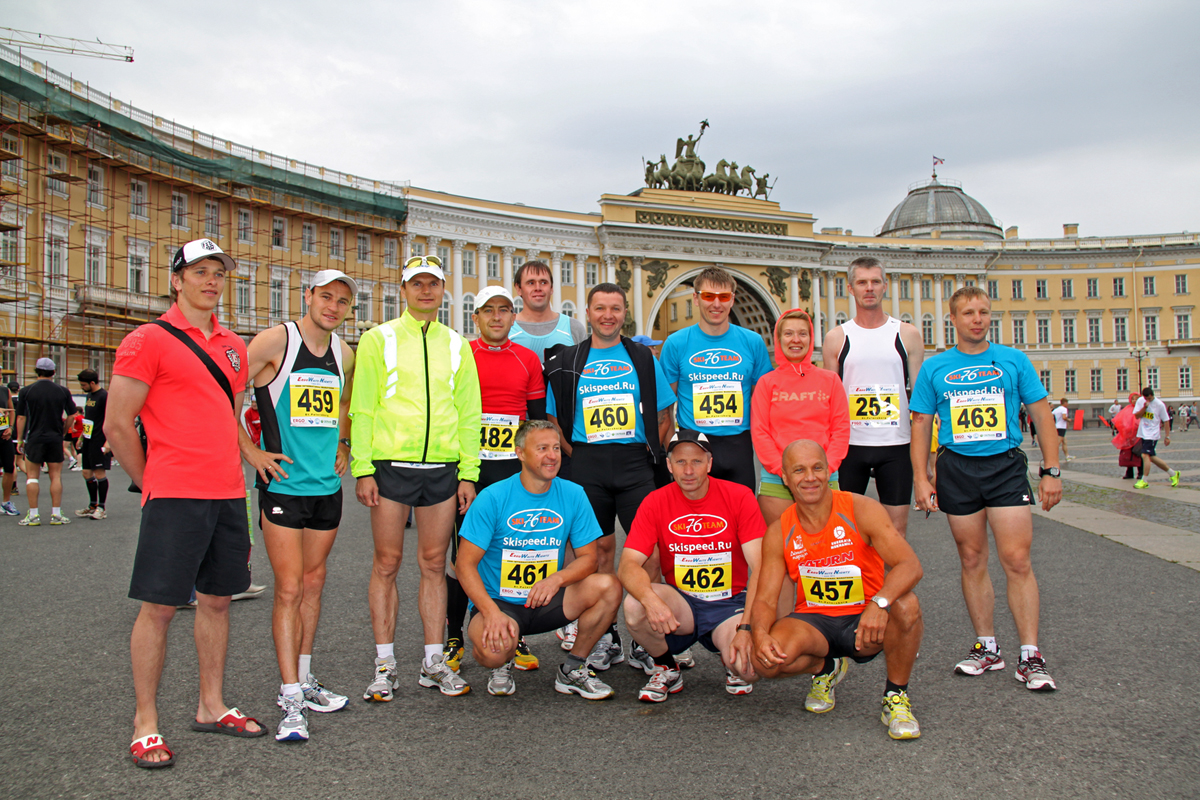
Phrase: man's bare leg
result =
(316, 546)
(899, 517)
(435, 527)
(1012, 529)
(32, 487)
(212, 644)
(970, 535)
(387, 529)
(593, 602)
(902, 639)
(148, 651)
(55, 471)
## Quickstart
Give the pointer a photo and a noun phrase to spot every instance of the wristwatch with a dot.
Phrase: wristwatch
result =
(1053, 472)
(743, 628)
(344, 441)
(881, 601)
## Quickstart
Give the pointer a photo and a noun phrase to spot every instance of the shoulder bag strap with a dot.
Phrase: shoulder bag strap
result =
(205, 359)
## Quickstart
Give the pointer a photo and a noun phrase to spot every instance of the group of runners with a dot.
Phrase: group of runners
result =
(520, 450)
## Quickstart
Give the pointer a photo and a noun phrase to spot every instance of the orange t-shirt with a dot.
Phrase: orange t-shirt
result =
(835, 570)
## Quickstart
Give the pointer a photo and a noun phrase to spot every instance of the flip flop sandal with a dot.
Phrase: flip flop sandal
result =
(232, 724)
(148, 744)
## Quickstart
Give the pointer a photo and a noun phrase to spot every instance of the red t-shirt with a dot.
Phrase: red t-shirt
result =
(190, 426)
(700, 541)
(509, 376)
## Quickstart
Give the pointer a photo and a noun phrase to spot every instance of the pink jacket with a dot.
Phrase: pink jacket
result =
(799, 401)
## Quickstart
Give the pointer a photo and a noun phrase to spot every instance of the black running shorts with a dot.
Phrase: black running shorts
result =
(319, 513)
(417, 487)
(42, 453)
(531, 621)
(707, 615)
(967, 484)
(92, 456)
(890, 465)
(8, 456)
(616, 478)
(839, 632)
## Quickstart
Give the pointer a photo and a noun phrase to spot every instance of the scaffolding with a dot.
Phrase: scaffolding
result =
(96, 195)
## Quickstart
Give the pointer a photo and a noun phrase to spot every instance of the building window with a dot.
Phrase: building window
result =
(591, 274)
(212, 219)
(519, 305)
(688, 307)
(840, 318)
(493, 266)
(179, 210)
(1150, 324)
(947, 289)
(1018, 329)
(927, 328)
(391, 253)
(308, 238)
(137, 273)
(446, 309)
(468, 258)
(364, 249)
(1093, 330)
(905, 289)
(1183, 326)
(137, 199)
(993, 290)
(567, 273)
(95, 188)
(278, 299)
(994, 330)
(1097, 381)
(568, 308)
(391, 306)
(56, 164)
(1044, 377)
(1043, 331)
(1069, 385)
(1152, 378)
(336, 249)
(93, 271)
(1068, 288)
(418, 249)
(968, 282)
(1042, 292)
(11, 169)
(1181, 284)
(362, 308)
(926, 289)
(1148, 285)
(245, 226)
(1185, 378)
(443, 253)
(674, 312)
(948, 331)
(1122, 379)
(1093, 288)
(1068, 330)
(1120, 330)
(278, 232)
(242, 300)
(56, 260)
(468, 311)
(839, 287)
(1018, 290)
(1118, 287)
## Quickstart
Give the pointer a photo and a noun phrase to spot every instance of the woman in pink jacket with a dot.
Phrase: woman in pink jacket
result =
(795, 401)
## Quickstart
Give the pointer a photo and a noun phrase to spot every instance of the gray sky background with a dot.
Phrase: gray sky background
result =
(1047, 112)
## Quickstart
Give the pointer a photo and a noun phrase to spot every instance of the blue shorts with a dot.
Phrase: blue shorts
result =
(1148, 446)
(706, 616)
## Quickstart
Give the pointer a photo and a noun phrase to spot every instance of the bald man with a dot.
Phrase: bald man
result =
(834, 545)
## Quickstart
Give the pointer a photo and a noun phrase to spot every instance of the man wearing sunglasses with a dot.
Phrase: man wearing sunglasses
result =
(538, 326)
(415, 417)
(713, 367)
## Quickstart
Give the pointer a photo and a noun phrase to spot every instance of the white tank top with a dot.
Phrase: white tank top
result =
(873, 366)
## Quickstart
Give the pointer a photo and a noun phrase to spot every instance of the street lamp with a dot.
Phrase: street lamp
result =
(1139, 353)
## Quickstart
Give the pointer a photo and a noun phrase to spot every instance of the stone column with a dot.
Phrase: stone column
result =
(794, 287)
(481, 254)
(456, 280)
(610, 268)
(556, 259)
(894, 290)
(636, 288)
(850, 301)
(405, 248)
(939, 332)
(581, 288)
(958, 282)
(816, 276)
(431, 243)
(831, 314)
(916, 282)
(506, 267)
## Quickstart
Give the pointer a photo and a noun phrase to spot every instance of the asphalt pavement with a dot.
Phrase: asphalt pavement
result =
(1119, 629)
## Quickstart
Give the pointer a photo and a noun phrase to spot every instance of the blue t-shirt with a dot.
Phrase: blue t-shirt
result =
(978, 397)
(524, 535)
(606, 406)
(715, 376)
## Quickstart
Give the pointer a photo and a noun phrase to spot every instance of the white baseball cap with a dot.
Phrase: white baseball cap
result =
(328, 276)
(45, 364)
(489, 293)
(199, 250)
(418, 264)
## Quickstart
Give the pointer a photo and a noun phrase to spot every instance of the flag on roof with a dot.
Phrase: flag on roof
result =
(937, 161)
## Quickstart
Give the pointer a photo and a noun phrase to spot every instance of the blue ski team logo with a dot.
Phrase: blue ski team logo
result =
(716, 358)
(535, 520)
(607, 369)
(968, 376)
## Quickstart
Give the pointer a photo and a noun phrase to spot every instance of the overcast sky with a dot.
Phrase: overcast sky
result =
(1047, 112)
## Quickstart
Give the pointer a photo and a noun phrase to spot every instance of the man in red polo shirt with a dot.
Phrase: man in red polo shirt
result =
(193, 531)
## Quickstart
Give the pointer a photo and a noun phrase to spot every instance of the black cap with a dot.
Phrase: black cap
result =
(695, 437)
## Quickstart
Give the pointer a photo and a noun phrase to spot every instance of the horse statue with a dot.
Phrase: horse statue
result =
(662, 177)
(719, 180)
(688, 175)
(744, 181)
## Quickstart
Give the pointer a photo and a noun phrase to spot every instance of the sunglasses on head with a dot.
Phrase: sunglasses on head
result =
(708, 297)
(427, 261)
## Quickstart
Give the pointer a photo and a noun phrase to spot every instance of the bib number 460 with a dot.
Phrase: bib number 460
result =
(609, 417)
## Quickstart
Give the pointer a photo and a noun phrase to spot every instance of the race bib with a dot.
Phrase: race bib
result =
(832, 586)
(717, 404)
(706, 577)
(497, 435)
(521, 569)
(88, 426)
(4, 421)
(875, 405)
(314, 400)
(607, 417)
(978, 417)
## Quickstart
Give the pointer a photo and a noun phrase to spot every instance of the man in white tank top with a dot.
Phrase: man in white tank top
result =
(878, 358)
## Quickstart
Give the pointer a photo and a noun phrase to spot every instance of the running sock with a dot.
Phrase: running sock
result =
(572, 663)
(616, 637)
(894, 688)
(92, 491)
(432, 651)
(829, 666)
(385, 650)
(456, 608)
(102, 491)
(666, 660)
(989, 643)
(305, 666)
(289, 689)
(1028, 651)
(56, 511)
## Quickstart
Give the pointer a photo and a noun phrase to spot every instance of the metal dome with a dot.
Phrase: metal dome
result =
(942, 207)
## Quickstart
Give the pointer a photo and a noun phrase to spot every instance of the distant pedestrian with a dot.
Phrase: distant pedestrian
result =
(42, 408)
(1024, 420)
(1060, 414)
(1152, 415)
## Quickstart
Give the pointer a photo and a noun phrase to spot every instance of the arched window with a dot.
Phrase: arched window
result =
(518, 305)
(446, 310)
(927, 329)
(948, 328)
(906, 318)
(840, 318)
(468, 312)
(568, 308)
